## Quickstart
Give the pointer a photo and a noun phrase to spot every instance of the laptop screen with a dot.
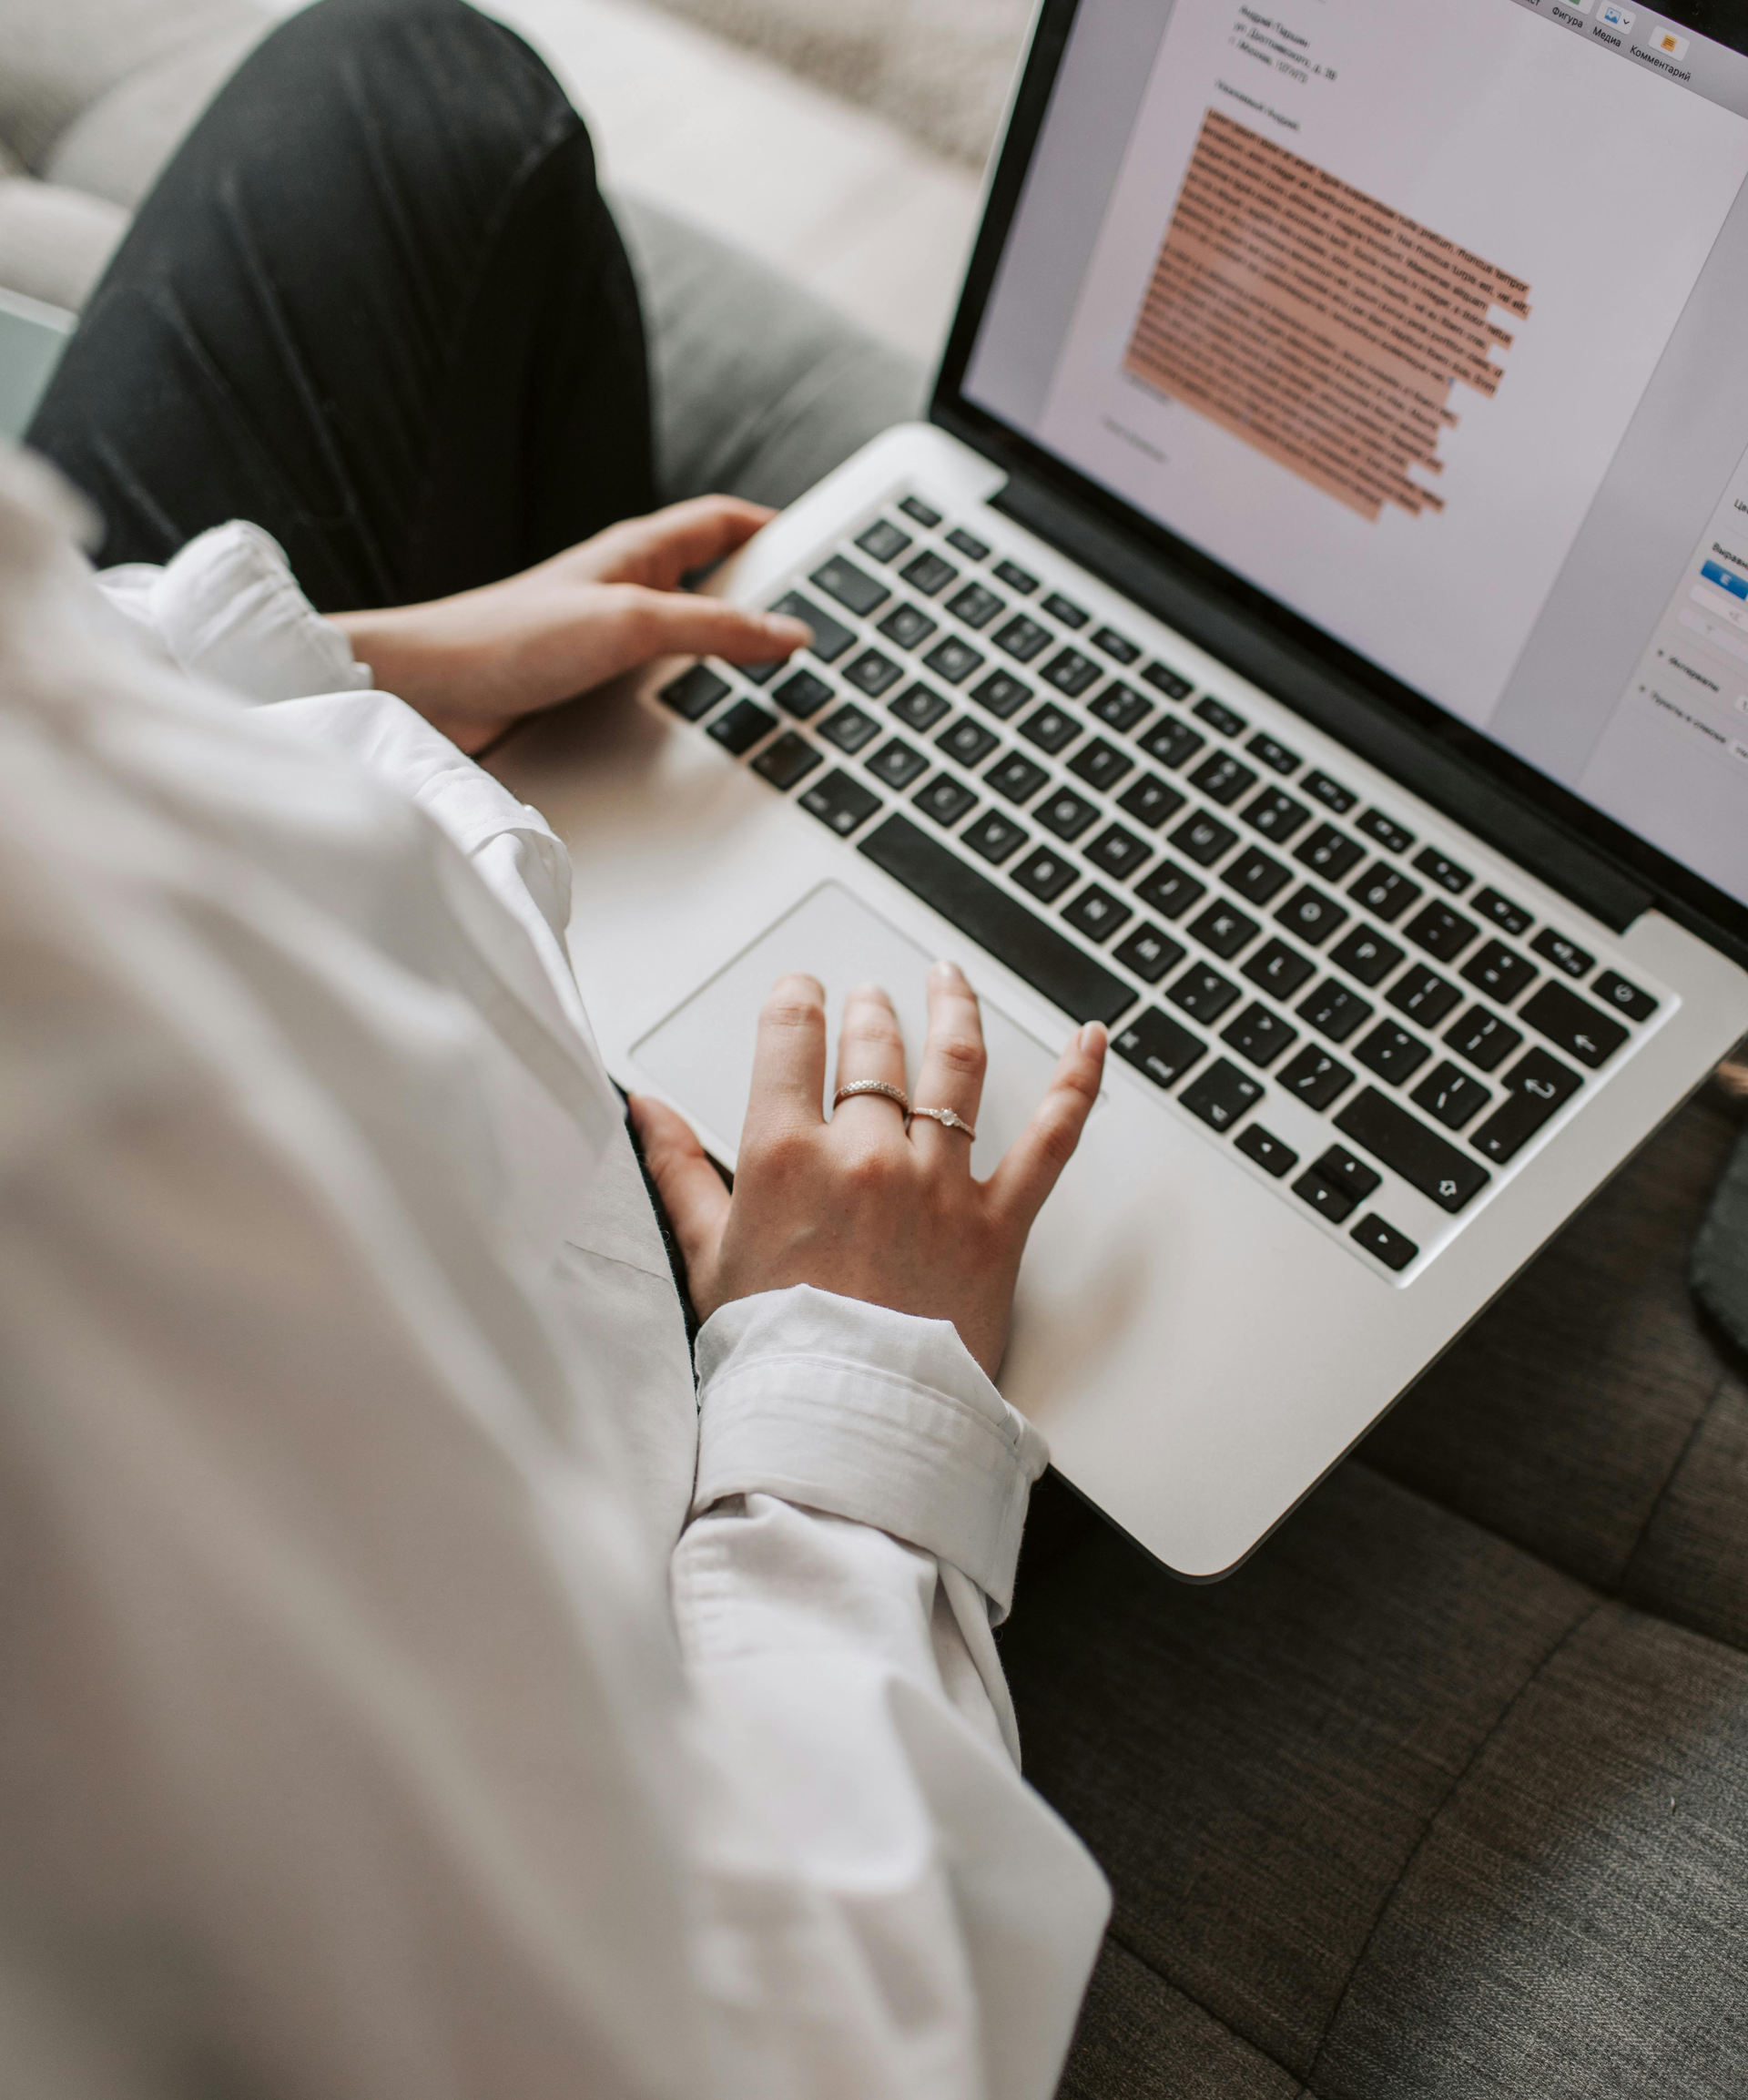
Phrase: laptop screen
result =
(1429, 323)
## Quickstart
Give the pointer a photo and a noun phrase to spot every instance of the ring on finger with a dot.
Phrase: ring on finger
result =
(948, 1118)
(879, 1086)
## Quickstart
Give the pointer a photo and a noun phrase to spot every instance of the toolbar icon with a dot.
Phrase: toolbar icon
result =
(1669, 44)
(1615, 18)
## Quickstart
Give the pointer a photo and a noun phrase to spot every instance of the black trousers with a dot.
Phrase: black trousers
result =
(376, 305)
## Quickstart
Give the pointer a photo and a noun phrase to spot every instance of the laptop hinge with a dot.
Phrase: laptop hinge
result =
(1316, 691)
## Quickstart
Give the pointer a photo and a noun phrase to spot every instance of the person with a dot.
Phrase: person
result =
(415, 1685)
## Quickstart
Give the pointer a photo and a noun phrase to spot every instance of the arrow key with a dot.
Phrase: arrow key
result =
(1574, 1025)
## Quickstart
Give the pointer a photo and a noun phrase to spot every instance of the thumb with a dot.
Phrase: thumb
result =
(691, 1189)
(681, 624)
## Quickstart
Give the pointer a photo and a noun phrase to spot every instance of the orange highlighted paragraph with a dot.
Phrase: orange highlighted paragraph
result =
(1315, 322)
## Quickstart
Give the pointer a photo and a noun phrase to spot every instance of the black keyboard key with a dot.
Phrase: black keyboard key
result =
(801, 694)
(1385, 891)
(788, 759)
(1066, 610)
(1334, 1011)
(1275, 815)
(1450, 1096)
(997, 838)
(1483, 1038)
(952, 660)
(1016, 578)
(1394, 1249)
(1338, 1166)
(1621, 997)
(1171, 889)
(1275, 757)
(1431, 863)
(1260, 1036)
(1149, 953)
(913, 507)
(1442, 932)
(1204, 839)
(1018, 779)
(852, 586)
(1536, 1089)
(1160, 1047)
(1066, 813)
(1574, 1025)
(927, 573)
(871, 673)
(1222, 779)
(896, 763)
(1226, 719)
(1392, 1052)
(1502, 911)
(1222, 1094)
(883, 540)
(1499, 971)
(1096, 913)
(1149, 802)
(1224, 930)
(1563, 954)
(1327, 1198)
(976, 605)
(1406, 1146)
(1266, 1150)
(830, 637)
(1331, 852)
(1045, 873)
(1076, 982)
(1071, 673)
(1330, 794)
(918, 705)
(1204, 994)
(1001, 694)
(1172, 742)
(1120, 707)
(849, 728)
(967, 740)
(973, 548)
(1277, 968)
(695, 692)
(1256, 876)
(1101, 764)
(1385, 831)
(1170, 682)
(739, 727)
(1117, 851)
(945, 800)
(1365, 953)
(1424, 996)
(908, 626)
(1314, 1078)
(1051, 728)
(1116, 645)
(1311, 915)
(1021, 637)
(841, 802)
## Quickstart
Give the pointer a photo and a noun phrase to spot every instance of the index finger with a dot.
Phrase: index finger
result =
(1030, 1168)
(669, 544)
(790, 1060)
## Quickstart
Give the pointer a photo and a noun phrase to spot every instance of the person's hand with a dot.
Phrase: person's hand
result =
(860, 1205)
(473, 664)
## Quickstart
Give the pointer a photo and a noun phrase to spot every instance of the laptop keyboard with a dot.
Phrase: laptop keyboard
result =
(1253, 932)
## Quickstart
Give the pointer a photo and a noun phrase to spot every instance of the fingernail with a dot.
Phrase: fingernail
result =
(947, 972)
(1093, 1037)
(796, 634)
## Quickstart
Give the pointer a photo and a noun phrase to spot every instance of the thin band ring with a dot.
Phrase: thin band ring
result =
(878, 1086)
(948, 1119)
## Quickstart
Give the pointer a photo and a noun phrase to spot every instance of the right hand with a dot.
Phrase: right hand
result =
(858, 1203)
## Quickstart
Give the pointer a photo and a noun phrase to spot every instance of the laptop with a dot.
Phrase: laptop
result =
(1309, 634)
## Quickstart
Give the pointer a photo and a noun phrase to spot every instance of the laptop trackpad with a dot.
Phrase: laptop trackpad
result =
(701, 1055)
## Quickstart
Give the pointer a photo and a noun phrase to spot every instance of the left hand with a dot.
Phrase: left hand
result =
(476, 663)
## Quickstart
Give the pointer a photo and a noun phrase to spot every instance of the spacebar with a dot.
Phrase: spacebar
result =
(995, 920)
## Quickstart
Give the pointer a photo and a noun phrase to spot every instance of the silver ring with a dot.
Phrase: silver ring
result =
(878, 1086)
(948, 1119)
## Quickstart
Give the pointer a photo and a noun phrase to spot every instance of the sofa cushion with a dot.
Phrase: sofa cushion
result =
(54, 243)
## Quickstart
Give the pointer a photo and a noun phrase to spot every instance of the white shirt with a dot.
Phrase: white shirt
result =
(412, 1689)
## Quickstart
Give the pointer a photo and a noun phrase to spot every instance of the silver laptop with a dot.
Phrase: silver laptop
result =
(1310, 635)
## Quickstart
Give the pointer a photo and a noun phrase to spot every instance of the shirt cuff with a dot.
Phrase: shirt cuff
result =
(869, 1415)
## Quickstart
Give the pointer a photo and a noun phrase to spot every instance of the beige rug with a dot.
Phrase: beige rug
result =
(938, 67)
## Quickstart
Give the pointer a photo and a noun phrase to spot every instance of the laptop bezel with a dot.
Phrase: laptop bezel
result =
(1605, 867)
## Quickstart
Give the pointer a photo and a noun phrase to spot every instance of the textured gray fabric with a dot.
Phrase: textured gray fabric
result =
(760, 388)
(1138, 2036)
(1691, 1566)
(1718, 1268)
